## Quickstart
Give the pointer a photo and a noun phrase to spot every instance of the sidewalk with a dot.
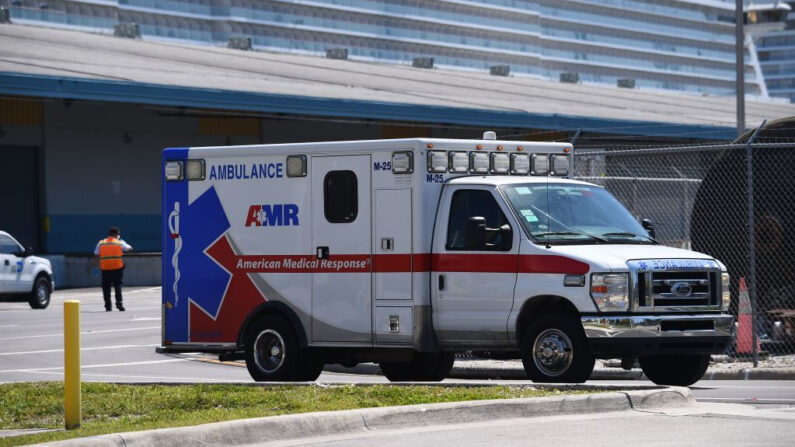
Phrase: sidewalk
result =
(296, 426)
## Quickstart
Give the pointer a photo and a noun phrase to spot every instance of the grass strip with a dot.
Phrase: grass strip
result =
(115, 408)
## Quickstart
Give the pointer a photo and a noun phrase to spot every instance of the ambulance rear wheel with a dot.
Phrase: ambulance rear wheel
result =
(676, 370)
(554, 349)
(311, 366)
(424, 367)
(272, 352)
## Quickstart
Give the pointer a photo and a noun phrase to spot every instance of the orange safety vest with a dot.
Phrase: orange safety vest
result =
(110, 253)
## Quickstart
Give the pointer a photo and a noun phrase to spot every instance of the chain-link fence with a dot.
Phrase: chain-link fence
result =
(698, 198)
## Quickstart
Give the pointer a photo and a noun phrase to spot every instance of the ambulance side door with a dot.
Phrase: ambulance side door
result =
(341, 236)
(473, 280)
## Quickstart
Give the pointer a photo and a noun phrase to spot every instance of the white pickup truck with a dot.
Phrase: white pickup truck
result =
(24, 274)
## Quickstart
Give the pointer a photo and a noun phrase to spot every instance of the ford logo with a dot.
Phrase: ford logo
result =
(682, 289)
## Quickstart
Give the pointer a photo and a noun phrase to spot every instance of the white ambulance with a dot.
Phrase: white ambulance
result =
(404, 252)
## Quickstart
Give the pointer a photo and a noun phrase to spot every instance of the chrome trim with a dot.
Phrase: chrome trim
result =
(648, 267)
(649, 326)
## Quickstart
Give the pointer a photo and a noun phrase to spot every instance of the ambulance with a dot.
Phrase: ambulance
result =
(405, 252)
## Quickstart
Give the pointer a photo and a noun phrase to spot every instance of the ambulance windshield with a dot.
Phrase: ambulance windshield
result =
(574, 214)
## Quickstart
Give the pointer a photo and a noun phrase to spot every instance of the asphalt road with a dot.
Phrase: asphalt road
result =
(120, 347)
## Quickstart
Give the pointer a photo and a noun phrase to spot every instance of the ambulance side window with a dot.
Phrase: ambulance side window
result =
(340, 196)
(468, 203)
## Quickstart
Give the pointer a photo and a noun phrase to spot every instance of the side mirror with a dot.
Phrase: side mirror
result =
(29, 251)
(649, 227)
(475, 233)
(507, 236)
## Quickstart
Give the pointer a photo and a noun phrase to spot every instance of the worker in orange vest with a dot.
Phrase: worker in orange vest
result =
(108, 257)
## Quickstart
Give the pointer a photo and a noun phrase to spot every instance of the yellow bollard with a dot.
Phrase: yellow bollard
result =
(71, 380)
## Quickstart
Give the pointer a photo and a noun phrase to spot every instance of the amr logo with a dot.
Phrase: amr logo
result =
(279, 215)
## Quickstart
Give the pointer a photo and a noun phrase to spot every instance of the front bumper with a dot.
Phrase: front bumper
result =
(635, 335)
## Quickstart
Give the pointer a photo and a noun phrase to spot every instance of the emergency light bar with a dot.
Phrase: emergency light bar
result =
(194, 170)
(402, 162)
(460, 162)
(479, 162)
(539, 164)
(520, 164)
(437, 161)
(560, 164)
(296, 166)
(173, 171)
(500, 163)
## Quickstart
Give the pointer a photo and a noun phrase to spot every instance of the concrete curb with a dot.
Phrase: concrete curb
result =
(295, 426)
(752, 374)
(517, 373)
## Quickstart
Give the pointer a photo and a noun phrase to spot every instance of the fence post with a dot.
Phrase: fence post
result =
(749, 168)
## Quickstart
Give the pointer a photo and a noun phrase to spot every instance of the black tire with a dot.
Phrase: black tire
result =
(443, 366)
(554, 349)
(40, 294)
(424, 367)
(312, 366)
(676, 370)
(273, 353)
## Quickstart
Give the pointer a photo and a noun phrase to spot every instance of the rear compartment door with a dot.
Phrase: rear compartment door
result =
(341, 236)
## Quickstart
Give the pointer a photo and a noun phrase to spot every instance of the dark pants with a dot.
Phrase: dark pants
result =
(112, 278)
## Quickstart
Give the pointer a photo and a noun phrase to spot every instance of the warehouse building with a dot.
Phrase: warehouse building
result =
(84, 116)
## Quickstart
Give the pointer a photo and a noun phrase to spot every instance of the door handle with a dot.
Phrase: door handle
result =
(322, 252)
(441, 282)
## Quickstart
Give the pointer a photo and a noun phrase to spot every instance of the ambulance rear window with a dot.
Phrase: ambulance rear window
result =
(340, 196)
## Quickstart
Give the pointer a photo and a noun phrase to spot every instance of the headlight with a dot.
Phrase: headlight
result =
(610, 291)
(725, 295)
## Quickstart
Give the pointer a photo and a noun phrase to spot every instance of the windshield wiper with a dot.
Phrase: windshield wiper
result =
(569, 233)
(631, 234)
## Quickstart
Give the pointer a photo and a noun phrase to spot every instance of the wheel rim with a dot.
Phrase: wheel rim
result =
(269, 351)
(552, 352)
(41, 292)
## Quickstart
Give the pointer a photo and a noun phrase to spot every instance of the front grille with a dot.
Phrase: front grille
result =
(678, 289)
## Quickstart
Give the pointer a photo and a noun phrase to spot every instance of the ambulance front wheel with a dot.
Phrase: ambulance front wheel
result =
(554, 349)
(424, 367)
(676, 370)
(273, 353)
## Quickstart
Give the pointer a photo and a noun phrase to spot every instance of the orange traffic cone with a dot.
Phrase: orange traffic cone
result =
(745, 337)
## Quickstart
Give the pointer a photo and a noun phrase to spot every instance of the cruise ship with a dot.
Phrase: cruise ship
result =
(776, 52)
(674, 45)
